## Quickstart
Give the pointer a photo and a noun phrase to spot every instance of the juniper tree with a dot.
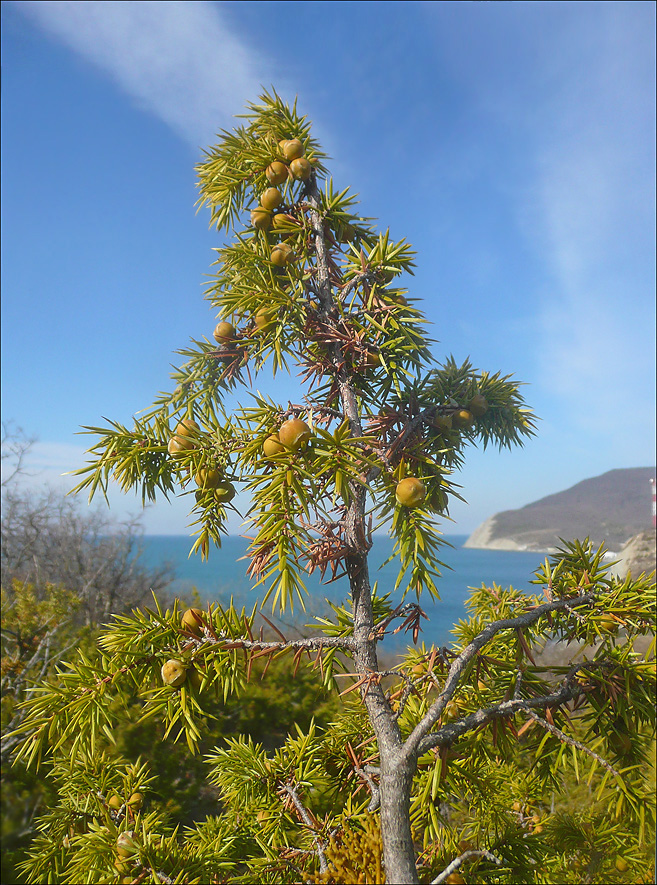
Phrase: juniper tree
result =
(438, 763)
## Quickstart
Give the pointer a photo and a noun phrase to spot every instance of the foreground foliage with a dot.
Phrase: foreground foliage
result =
(438, 768)
(497, 787)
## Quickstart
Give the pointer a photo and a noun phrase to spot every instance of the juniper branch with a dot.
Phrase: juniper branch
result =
(415, 740)
(458, 861)
(573, 743)
(307, 820)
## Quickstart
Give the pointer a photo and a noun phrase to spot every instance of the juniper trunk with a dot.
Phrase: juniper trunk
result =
(396, 770)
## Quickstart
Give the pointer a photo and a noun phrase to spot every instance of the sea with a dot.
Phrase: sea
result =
(223, 576)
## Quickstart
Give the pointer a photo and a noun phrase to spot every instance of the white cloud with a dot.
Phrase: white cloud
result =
(590, 217)
(569, 89)
(177, 59)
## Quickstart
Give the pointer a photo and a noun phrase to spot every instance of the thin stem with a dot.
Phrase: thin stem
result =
(449, 733)
(573, 743)
(315, 643)
(458, 861)
(365, 775)
(305, 817)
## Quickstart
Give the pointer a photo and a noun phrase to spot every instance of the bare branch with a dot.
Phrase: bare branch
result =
(43, 658)
(312, 643)
(15, 446)
(449, 733)
(308, 821)
(406, 693)
(573, 743)
(365, 775)
(415, 739)
(457, 862)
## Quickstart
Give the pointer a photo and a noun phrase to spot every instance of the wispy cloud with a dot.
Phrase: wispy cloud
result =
(569, 89)
(178, 59)
(575, 85)
(594, 214)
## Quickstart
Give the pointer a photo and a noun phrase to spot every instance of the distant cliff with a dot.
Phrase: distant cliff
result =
(637, 555)
(610, 508)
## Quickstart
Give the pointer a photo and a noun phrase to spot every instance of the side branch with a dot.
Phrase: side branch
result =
(308, 821)
(365, 774)
(457, 862)
(312, 643)
(449, 733)
(415, 739)
(573, 743)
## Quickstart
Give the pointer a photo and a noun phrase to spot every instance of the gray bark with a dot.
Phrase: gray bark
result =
(397, 770)
(398, 850)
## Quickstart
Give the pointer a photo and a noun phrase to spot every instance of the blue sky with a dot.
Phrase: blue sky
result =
(511, 143)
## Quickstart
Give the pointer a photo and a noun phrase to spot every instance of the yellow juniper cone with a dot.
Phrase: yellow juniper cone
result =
(264, 319)
(187, 427)
(281, 255)
(179, 444)
(410, 492)
(224, 492)
(195, 678)
(478, 405)
(301, 168)
(192, 620)
(292, 149)
(174, 673)
(126, 845)
(294, 433)
(261, 218)
(442, 423)
(272, 446)
(463, 418)
(609, 624)
(271, 198)
(136, 801)
(209, 478)
(115, 802)
(276, 172)
(223, 332)
(282, 220)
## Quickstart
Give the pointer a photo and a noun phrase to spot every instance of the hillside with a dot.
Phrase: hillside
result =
(611, 508)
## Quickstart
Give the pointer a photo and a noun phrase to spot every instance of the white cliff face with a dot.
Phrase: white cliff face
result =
(482, 535)
(637, 555)
(483, 538)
